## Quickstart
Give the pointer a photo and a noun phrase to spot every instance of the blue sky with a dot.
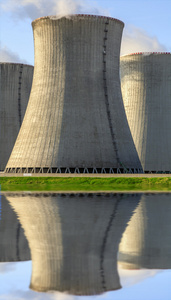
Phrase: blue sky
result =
(147, 23)
(138, 285)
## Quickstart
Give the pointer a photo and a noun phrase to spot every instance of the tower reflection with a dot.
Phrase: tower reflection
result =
(13, 243)
(74, 239)
(146, 242)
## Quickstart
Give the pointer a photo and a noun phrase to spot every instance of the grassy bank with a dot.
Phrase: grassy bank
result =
(84, 184)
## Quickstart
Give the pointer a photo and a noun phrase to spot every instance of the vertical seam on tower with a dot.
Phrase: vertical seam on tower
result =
(106, 91)
(19, 94)
(17, 242)
(106, 234)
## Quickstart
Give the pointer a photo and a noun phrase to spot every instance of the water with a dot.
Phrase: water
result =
(68, 246)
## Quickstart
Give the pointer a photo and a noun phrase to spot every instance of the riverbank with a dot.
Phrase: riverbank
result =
(87, 184)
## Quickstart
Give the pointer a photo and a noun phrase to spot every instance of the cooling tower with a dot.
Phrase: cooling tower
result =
(74, 239)
(15, 87)
(146, 91)
(75, 121)
(13, 243)
(146, 242)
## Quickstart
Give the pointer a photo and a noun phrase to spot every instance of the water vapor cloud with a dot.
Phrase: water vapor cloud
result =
(38, 8)
(134, 39)
(131, 277)
(8, 56)
(137, 40)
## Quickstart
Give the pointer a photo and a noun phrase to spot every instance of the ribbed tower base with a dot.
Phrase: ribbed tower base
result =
(75, 121)
(15, 87)
(146, 91)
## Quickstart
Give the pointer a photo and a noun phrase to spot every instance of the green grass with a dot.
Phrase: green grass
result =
(84, 184)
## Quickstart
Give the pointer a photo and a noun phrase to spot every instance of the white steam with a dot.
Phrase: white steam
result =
(39, 8)
(137, 40)
(132, 277)
(7, 55)
(134, 39)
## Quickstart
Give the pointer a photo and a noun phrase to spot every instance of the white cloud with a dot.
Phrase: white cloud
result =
(6, 55)
(137, 40)
(132, 277)
(38, 8)
(31, 295)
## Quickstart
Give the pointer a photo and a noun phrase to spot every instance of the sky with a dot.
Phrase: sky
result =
(137, 285)
(147, 23)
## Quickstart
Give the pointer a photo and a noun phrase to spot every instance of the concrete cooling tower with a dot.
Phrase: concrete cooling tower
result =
(146, 91)
(146, 242)
(13, 243)
(74, 239)
(75, 121)
(15, 87)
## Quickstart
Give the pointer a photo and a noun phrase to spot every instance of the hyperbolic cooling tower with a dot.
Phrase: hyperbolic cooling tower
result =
(15, 87)
(146, 91)
(75, 121)
(74, 239)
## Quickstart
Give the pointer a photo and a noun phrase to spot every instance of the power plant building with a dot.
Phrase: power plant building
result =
(15, 87)
(146, 91)
(75, 120)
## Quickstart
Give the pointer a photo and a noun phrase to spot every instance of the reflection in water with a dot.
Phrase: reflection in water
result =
(13, 243)
(0, 206)
(74, 239)
(146, 242)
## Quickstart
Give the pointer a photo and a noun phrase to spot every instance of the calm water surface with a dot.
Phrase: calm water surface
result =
(68, 246)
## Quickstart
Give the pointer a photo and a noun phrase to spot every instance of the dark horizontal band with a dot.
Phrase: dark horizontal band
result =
(71, 194)
(145, 53)
(77, 170)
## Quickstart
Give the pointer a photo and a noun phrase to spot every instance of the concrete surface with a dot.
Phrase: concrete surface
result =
(13, 242)
(146, 91)
(67, 255)
(15, 86)
(75, 116)
(146, 242)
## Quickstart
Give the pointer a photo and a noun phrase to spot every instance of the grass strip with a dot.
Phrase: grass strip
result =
(84, 184)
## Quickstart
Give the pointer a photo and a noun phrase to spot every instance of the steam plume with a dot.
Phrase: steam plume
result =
(138, 40)
(6, 55)
(38, 8)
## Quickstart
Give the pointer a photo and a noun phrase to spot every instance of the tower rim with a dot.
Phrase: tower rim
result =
(58, 17)
(146, 53)
(15, 63)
